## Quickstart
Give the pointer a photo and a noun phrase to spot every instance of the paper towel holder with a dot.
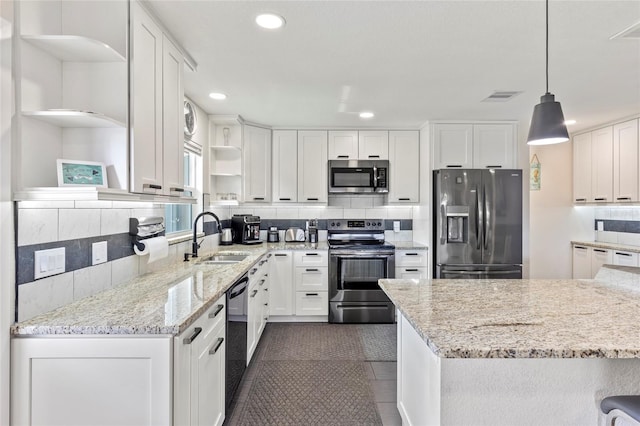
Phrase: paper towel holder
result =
(145, 227)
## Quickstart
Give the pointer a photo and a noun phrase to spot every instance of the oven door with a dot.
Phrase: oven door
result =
(354, 275)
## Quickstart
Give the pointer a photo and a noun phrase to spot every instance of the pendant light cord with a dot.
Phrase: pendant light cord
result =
(547, 44)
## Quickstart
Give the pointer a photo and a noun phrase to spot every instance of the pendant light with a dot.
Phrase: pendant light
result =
(547, 124)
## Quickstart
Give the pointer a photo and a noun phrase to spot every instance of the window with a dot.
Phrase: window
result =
(179, 217)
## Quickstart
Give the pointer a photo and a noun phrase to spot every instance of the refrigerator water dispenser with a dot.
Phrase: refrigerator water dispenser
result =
(457, 224)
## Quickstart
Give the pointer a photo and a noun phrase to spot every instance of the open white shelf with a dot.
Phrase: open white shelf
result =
(71, 48)
(92, 193)
(226, 174)
(227, 148)
(225, 203)
(74, 118)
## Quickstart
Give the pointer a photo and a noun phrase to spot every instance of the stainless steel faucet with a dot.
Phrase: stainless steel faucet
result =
(194, 245)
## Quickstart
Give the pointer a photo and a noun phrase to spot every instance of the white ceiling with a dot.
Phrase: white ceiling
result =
(407, 61)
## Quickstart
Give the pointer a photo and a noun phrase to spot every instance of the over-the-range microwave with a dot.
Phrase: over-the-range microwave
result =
(358, 176)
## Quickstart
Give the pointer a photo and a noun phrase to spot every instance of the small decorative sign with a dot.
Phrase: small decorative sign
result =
(81, 173)
(535, 174)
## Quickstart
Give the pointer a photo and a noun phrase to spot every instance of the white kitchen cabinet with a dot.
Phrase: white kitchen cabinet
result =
(404, 165)
(625, 258)
(412, 264)
(373, 144)
(478, 146)
(225, 162)
(312, 303)
(281, 284)
(285, 166)
(257, 311)
(582, 168)
(311, 258)
(156, 133)
(493, 146)
(311, 282)
(602, 165)
(311, 278)
(625, 161)
(581, 262)
(312, 166)
(118, 380)
(343, 144)
(598, 258)
(257, 164)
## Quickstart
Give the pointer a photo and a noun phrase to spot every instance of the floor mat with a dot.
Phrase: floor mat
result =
(379, 341)
(310, 393)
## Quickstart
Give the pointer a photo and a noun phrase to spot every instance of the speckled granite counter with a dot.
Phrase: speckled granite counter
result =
(409, 245)
(163, 302)
(521, 318)
(610, 246)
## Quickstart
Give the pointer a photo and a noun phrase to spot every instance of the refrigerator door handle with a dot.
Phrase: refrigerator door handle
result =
(478, 218)
(485, 226)
(443, 231)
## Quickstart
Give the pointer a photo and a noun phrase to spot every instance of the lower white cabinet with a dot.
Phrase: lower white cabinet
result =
(258, 303)
(625, 258)
(310, 303)
(588, 260)
(281, 283)
(598, 258)
(581, 262)
(412, 264)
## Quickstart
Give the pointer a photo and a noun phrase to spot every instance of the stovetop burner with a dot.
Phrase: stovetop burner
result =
(357, 234)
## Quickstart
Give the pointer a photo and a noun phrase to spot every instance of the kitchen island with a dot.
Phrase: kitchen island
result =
(513, 352)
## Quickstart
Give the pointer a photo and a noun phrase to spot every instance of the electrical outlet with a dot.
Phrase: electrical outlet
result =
(396, 226)
(600, 225)
(49, 262)
(98, 252)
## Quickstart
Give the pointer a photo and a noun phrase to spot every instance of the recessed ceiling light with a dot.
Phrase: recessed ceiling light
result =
(569, 122)
(218, 96)
(270, 21)
(366, 114)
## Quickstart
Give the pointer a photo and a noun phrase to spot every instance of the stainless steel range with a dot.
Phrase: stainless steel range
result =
(358, 258)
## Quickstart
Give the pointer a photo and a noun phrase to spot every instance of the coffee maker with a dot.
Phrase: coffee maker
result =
(246, 229)
(313, 231)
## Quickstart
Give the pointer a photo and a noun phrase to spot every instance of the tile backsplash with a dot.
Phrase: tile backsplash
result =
(75, 225)
(620, 225)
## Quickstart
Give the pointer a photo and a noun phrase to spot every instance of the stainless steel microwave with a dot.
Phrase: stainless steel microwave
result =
(358, 176)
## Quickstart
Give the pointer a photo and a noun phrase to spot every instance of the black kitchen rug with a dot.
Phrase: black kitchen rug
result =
(309, 393)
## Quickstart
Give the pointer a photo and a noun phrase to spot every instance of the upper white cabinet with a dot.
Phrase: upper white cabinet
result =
(602, 165)
(312, 166)
(285, 166)
(343, 144)
(157, 124)
(404, 159)
(225, 159)
(625, 161)
(466, 146)
(373, 144)
(257, 164)
(582, 168)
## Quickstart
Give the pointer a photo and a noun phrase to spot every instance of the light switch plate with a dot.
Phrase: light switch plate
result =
(98, 252)
(49, 262)
(396, 226)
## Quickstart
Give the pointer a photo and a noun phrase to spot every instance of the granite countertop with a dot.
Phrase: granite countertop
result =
(611, 246)
(521, 318)
(409, 245)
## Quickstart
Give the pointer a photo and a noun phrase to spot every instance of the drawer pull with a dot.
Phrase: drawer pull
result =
(281, 255)
(151, 186)
(600, 251)
(258, 198)
(266, 289)
(453, 165)
(580, 247)
(623, 198)
(217, 311)
(581, 199)
(601, 199)
(311, 294)
(373, 156)
(253, 271)
(411, 254)
(213, 350)
(312, 270)
(411, 270)
(285, 199)
(311, 254)
(404, 199)
(190, 339)
(261, 282)
(312, 199)
(494, 167)
(254, 293)
(343, 156)
(623, 254)
(176, 189)
(266, 304)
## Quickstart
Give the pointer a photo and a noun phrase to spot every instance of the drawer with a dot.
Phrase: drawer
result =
(625, 258)
(312, 278)
(416, 258)
(311, 258)
(312, 303)
(411, 273)
(214, 317)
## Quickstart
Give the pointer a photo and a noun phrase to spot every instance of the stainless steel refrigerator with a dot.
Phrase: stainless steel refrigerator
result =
(477, 229)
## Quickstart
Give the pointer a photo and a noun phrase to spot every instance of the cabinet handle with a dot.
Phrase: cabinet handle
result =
(176, 189)
(493, 167)
(266, 304)
(151, 186)
(312, 199)
(311, 254)
(623, 254)
(454, 165)
(266, 289)
(285, 199)
(411, 270)
(190, 339)
(281, 255)
(411, 254)
(581, 199)
(600, 251)
(215, 314)
(258, 198)
(254, 293)
(601, 199)
(269, 255)
(311, 294)
(343, 156)
(311, 270)
(374, 156)
(623, 198)
(253, 271)
(404, 199)
(213, 350)
(261, 282)
(580, 247)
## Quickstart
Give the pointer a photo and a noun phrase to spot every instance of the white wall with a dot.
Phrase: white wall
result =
(7, 283)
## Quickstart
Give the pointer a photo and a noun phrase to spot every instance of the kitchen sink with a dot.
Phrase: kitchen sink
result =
(224, 259)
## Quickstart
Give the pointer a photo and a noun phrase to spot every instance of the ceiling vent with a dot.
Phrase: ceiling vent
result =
(501, 96)
(633, 32)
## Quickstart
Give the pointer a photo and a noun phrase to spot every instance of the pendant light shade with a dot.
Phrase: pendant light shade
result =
(547, 124)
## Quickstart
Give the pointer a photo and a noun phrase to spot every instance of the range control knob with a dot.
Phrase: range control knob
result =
(369, 223)
(338, 224)
(379, 223)
(333, 224)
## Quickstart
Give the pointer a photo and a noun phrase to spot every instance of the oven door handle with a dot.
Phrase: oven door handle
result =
(369, 254)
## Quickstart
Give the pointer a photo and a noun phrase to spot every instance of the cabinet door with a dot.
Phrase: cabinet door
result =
(312, 303)
(453, 146)
(493, 146)
(312, 166)
(253, 321)
(373, 145)
(602, 165)
(257, 164)
(625, 161)
(625, 258)
(281, 284)
(208, 375)
(172, 119)
(582, 168)
(285, 166)
(404, 165)
(581, 262)
(411, 273)
(312, 279)
(343, 145)
(412, 258)
(146, 108)
(598, 258)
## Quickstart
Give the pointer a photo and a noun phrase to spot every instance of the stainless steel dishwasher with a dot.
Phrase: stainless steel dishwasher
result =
(236, 331)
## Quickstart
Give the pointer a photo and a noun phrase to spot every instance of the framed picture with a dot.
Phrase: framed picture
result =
(81, 173)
